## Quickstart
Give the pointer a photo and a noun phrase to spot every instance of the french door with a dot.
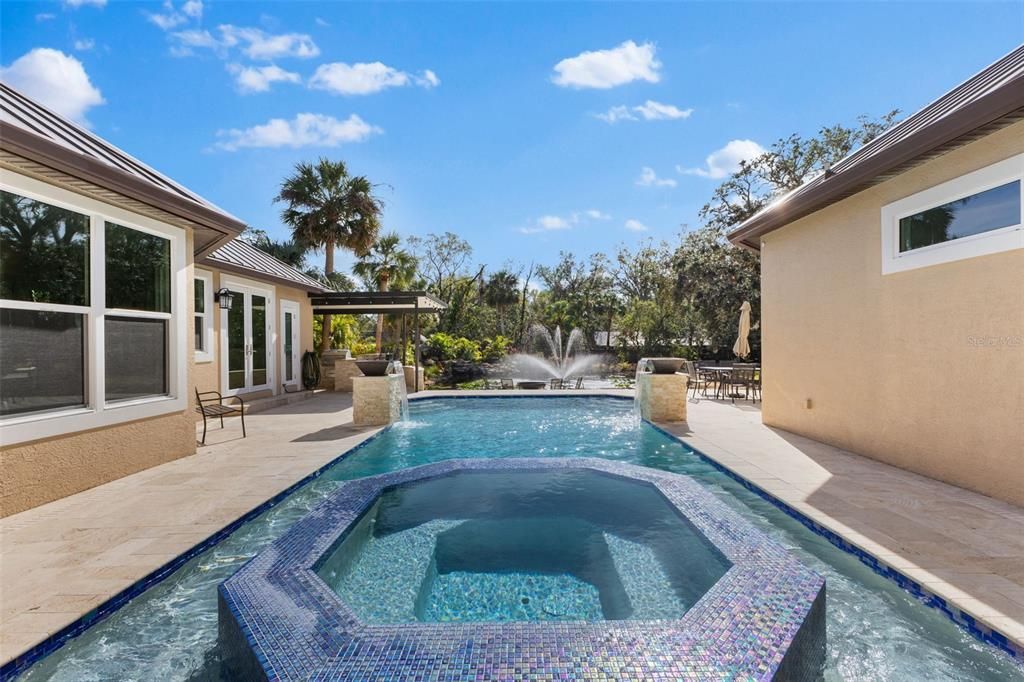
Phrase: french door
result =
(247, 348)
(291, 372)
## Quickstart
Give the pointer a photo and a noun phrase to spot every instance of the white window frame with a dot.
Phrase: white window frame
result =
(206, 354)
(97, 412)
(981, 244)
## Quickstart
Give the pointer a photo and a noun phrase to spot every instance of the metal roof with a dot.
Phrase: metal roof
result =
(375, 302)
(989, 100)
(241, 257)
(32, 131)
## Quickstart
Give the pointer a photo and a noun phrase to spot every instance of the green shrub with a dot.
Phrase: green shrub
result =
(493, 350)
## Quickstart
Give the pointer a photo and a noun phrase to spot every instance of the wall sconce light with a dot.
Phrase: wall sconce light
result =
(223, 297)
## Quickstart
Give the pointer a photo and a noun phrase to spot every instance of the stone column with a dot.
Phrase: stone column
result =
(344, 371)
(328, 360)
(410, 378)
(377, 401)
(662, 397)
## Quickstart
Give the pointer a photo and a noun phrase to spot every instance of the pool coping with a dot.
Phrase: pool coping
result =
(294, 625)
(974, 625)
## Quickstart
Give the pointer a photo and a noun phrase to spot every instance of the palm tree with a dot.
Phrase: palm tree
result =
(384, 265)
(327, 208)
(500, 291)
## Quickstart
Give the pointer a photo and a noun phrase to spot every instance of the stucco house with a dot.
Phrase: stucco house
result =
(892, 311)
(109, 312)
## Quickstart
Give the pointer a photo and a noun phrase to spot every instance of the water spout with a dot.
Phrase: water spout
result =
(546, 357)
(397, 369)
(645, 366)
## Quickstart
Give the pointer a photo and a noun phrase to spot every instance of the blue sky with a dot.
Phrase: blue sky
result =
(488, 120)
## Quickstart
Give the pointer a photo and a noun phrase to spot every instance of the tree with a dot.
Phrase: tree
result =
(442, 261)
(327, 208)
(287, 251)
(385, 264)
(713, 277)
(500, 291)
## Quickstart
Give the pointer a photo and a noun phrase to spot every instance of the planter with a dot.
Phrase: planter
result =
(373, 368)
(666, 365)
(532, 385)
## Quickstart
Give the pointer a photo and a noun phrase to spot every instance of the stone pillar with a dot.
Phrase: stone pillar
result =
(344, 371)
(377, 401)
(327, 363)
(410, 377)
(662, 397)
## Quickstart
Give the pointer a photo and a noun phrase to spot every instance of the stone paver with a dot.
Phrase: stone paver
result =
(60, 560)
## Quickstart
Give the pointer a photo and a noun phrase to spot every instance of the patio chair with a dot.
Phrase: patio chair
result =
(214, 407)
(579, 383)
(507, 384)
(557, 384)
(698, 380)
(742, 377)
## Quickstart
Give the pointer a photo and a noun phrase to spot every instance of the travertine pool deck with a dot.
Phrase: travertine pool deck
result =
(61, 560)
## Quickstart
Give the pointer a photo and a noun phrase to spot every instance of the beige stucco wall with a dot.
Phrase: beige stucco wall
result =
(45, 470)
(891, 363)
(208, 374)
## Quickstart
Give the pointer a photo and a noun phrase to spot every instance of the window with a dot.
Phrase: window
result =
(89, 335)
(976, 214)
(41, 361)
(202, 320)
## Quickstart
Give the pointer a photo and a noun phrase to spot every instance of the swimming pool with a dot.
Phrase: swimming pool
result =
(875, 629)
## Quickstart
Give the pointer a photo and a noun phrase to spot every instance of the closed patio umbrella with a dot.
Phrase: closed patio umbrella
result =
(742, 347)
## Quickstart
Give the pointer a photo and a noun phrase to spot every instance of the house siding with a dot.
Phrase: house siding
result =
(892, 364)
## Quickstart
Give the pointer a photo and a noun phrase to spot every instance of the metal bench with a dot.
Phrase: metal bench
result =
(214, 408)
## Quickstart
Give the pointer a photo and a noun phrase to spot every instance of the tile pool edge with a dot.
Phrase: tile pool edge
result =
(973, 625)
(976, 626)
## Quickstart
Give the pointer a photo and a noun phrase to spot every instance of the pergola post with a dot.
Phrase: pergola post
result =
(416, 326)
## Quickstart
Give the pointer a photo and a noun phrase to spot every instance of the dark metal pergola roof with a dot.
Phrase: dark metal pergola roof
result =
(375, 302)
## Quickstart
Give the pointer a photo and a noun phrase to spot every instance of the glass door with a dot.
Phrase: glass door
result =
(246, 351)
(291, 374)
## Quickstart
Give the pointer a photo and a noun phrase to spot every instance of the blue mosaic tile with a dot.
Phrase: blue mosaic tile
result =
(293, 626)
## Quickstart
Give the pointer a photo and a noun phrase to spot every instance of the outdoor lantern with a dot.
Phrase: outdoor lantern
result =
(223, 297)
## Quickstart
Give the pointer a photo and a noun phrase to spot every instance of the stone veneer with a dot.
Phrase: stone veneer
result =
(377, 401)
(410, 378)
(345, 369)
(662, 397)
(764, 619)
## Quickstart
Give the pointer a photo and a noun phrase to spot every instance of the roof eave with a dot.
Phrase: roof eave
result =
(262, 276)
(26, 144)
(985, 111)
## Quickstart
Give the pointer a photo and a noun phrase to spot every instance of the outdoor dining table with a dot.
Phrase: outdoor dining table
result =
(723, 372)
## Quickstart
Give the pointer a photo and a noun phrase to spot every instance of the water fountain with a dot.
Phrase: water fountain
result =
(396, 369)
(546, 357)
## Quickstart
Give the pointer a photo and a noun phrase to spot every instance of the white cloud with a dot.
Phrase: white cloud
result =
(193, 8)
(322, 22)
(552, 223)
(45, 16)
(305, 130)
(75, 4)
(259, 78)
(257, 44)
(366, 78)
(656, 111)
(253, 42)
(634, 225)
(648, 178)
(85, 44)
(648, 111)
(723, 162)
(56, 80)
(608, 68)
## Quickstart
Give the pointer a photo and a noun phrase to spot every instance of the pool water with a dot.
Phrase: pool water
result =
(876, 631)
(522, 546)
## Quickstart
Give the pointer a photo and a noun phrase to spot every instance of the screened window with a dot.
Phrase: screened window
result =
(199, 321)
(44, 252)
(982, 212)
(136, 357)
(42, 361)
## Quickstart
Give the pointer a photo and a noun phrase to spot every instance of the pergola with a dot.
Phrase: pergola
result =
(401, 303)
